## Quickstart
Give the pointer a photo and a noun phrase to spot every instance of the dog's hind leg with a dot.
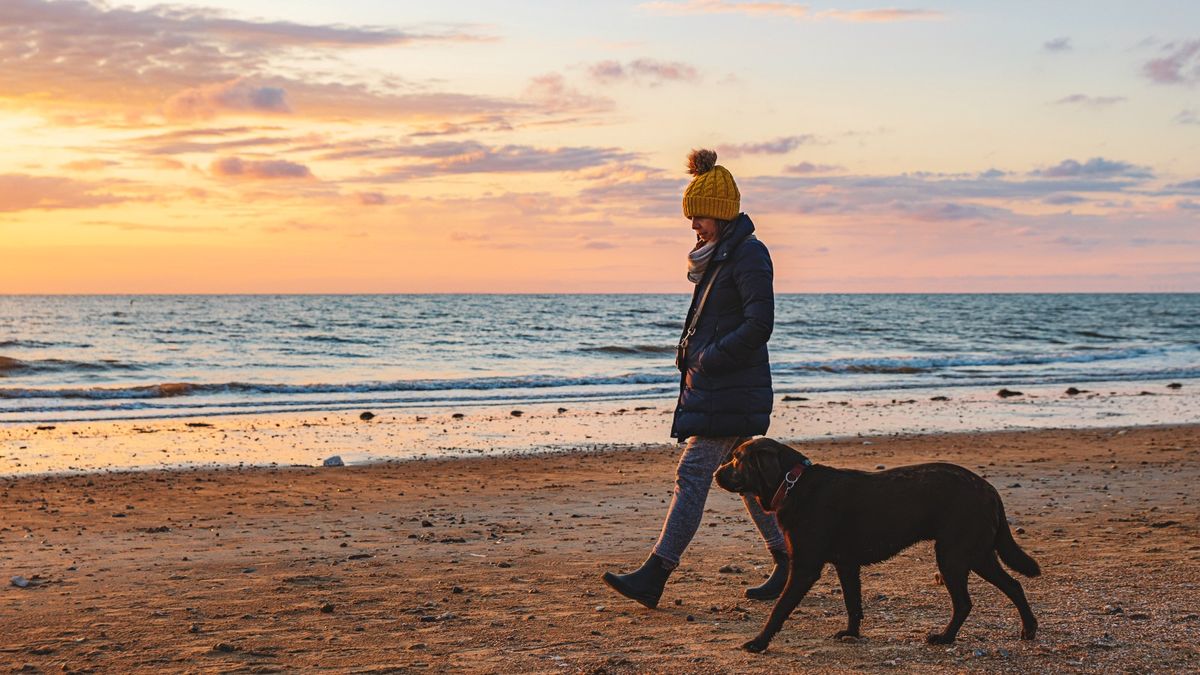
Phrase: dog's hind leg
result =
(851, 581)
(954, 571)
(993, 573)
(800, 580)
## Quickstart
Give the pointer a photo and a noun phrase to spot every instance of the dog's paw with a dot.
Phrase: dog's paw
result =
(1028, 633)
(755, 646)
(939, 639)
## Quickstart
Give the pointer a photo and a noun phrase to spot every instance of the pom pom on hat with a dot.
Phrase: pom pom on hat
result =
(712, 193)
(701, 161)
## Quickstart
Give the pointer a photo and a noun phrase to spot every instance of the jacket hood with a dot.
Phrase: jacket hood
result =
(739, 228)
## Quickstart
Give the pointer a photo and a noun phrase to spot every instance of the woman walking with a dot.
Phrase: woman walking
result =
(725, 391)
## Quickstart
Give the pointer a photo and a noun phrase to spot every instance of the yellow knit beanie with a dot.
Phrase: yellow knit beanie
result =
(712, 193)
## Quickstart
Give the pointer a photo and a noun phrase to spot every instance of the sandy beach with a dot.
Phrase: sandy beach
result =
(493, 565)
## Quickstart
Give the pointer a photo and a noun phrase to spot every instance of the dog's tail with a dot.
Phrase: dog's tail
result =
(1011, 553)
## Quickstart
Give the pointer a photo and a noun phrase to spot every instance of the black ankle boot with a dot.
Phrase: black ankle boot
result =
(775, 583)
(644, 585)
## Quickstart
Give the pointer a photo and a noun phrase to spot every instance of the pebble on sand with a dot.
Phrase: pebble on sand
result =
(1175, 385)
(367, 416)
(336, 460)
(1005, 393)
(19, 581)
(516, 413)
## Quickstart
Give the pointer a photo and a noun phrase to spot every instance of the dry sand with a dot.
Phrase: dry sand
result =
(493, 565)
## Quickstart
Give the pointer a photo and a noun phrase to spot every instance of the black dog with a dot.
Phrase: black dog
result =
(854, 518)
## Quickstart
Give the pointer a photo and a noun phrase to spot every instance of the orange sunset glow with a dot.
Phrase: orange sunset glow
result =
(356, 147)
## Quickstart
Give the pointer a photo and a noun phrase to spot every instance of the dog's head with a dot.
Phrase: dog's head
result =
(757, 467)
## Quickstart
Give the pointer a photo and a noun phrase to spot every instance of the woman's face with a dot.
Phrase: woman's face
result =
(706, 228)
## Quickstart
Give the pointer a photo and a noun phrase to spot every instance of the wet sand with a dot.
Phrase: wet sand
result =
(493, 565)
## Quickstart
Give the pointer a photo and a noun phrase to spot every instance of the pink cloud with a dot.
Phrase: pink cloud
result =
(236, 95)
(19, 192)
(787, 9)
(647, 71)
(275, 169)
(1180, 66)
(778, 146)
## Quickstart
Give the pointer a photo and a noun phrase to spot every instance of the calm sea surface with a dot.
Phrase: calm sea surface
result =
(124, 357)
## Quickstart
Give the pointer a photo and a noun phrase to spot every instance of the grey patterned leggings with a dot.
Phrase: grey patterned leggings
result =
(693, 478)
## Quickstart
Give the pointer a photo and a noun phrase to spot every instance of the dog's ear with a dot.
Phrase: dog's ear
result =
(767, 464)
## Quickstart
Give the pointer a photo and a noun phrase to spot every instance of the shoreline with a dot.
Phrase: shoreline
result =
(307, 438)
(493, 566)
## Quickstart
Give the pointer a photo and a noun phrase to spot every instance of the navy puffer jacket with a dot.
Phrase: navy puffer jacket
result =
(725, 389)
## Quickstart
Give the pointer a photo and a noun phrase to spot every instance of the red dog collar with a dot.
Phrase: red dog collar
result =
(789, 481)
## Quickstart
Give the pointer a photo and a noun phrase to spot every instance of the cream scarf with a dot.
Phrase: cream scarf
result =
(699, 257)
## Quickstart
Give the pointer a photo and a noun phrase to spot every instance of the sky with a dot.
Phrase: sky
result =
(271, 146)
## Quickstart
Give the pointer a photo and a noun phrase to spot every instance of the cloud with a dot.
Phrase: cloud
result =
(372, 198)
(879, 15)
(1189, 186)
(236, 95)
(1057, 45)
(1181, 65)
(91, 55)
(89, 165)
(1187, 117)
(236, 167)
(808, 167)
(785, 9)
(643, 71)
(778, 146)
(20, 192)
(1090, 101)
(473, 157)
(1096, 167)
(1063, 199)
(552, 94)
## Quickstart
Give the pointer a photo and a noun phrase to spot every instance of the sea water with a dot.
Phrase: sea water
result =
(154, 356)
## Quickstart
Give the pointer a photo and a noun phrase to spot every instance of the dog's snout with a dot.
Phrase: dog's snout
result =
(726, 478)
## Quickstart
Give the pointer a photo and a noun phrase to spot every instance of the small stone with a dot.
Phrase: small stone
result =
(1006, 393)
(516, 413)
(249, 570)
(730, 569)
(224, 647)
(358, 556)
(599, 608)
(1113, 609)
(456, 590)
(194, 628)
(457, 416)
(416, 645)
(979, 652)
(562, 410)
(327, 608)
(1174, 385)
(880, 467)
(19, 581)
(426, 523)
(1020, 530)
(1072, 391)
(1004, 653)
(504, 564)
(690, 617)
(336, 460)
(678, 602)
(940, 398)
(367, 416)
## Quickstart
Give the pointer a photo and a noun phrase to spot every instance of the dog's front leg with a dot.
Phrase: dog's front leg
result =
(850, 579)
(801, 578)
